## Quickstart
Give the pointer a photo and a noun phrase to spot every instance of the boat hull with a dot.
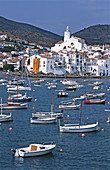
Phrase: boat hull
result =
(43, 121)
(94, 102)
(22, 152)
(74, 107)
(22, 99)
(9, 107)
(77, 129)
(6, 119)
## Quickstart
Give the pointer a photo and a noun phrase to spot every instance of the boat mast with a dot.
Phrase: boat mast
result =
(17, 89)
(53, 102)
(80, 114)
(1, 106)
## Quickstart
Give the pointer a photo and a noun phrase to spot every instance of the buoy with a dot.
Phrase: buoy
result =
(98, 128)
(102, 129)
(10, 129)
(67, 115)
(83, 135)
(35, 99)
(64, 121)
(61, 150)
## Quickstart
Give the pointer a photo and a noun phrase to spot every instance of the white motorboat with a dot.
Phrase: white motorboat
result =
(33, 150)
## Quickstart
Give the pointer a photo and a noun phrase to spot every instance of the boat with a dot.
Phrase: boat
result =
(12, 105)
(23, 98)
(79, 127)
(69, 106)
(43, 119)
(69, 82)
(20, 88)
(3, 117)
(96, 88)
(33, 150)
(94, 95)
(15, 96)
(94, 101)
(15, 81)
(108, 89)
(97, 83)
(79, 98)
(108, 121)
(62, 94)
(70, 88)
(48, 114)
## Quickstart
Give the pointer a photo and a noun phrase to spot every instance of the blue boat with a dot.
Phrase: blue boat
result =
(22, 99)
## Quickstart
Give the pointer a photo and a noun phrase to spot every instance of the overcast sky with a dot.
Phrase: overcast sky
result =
(55, 15)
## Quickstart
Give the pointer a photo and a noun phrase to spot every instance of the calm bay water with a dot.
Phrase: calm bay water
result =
(89, 153)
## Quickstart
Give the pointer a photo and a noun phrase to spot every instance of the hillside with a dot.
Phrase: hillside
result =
(97, 34)
(28, 32)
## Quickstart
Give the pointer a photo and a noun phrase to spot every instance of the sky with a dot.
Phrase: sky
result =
(55, 15)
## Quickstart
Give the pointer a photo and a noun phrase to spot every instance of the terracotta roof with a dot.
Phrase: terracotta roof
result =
(44, 56)
(59, 42)
(18, 39)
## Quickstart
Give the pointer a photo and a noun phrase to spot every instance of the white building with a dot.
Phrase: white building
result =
(69, 44)
(46, 63)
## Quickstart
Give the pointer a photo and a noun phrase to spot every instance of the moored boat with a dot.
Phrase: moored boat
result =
(69, 106)
(4, 117)
(12, 105)
(33, 150)
(94, 101)
(62, 94)
(70, 88)
(76, 128)
(43, 120)
(79, 127)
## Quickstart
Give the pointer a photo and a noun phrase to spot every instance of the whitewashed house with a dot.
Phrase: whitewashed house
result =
(45, 63)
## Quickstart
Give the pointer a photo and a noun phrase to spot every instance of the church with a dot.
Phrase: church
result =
(70, 43)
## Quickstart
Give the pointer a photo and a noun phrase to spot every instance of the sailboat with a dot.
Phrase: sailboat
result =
(42, 118)
(78, 127)
(19, 97)
(52, 113)
(3, 117)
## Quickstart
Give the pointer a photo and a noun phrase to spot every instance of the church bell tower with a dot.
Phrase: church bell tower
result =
(66, 34)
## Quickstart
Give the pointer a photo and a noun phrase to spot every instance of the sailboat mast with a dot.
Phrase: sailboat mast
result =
(80, 114)
(1, 106)
(17, 89)
(53, 102)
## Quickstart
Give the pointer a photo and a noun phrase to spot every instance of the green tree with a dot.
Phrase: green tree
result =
(8, 67)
